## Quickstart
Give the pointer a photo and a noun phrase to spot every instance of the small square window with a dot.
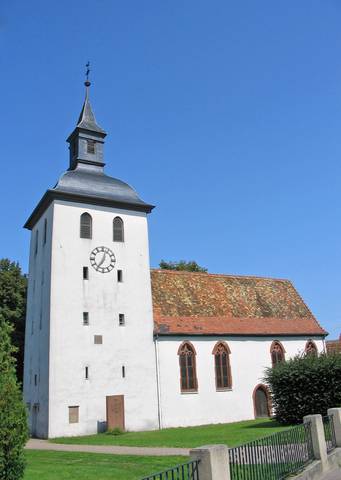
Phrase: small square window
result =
(85, 318)
(123, 371)
(86, 373)
(98, 339)
(85, 273)
(121, 319)
(119, 276)
(73, 414)
(90, 146)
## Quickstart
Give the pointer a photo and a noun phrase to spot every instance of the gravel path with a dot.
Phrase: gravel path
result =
(334, 475)
(35, 444)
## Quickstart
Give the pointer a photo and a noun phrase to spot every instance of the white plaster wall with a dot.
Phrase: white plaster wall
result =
(72, 344)
(37, 326)
(249, 357)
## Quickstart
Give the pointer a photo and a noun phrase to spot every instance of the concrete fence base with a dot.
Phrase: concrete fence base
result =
(214, 459)
(214, 462)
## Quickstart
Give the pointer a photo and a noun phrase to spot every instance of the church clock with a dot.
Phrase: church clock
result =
(102, 259)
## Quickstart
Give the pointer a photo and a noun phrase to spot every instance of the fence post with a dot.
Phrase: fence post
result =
(317, 437)
(336, 413)
(214, 462)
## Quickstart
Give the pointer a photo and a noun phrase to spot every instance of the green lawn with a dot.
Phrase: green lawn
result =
(230, 433)
(48, 465)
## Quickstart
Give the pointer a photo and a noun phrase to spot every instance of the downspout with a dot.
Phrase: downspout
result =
(159, 416)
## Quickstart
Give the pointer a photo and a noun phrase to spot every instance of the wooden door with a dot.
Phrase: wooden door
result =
(115, 412)
(261, 403)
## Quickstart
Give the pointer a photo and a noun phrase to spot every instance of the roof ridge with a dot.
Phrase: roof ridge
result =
(230, 275)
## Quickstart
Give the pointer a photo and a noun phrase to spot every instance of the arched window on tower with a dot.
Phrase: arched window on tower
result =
(86, 225)
(118, 230)
(188, 374)
(311, 348)
(223, 378)
(277, 353)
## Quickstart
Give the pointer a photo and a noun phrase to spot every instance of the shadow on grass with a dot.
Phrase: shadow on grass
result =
(266, 424)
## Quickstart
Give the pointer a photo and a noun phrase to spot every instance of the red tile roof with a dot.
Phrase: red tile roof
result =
(202, 303)
(334, 346)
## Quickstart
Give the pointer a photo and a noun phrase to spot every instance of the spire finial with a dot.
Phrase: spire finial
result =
(87, 82)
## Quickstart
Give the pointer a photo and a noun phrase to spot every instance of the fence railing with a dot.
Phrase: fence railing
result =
(184, 471)
(329, 432)
(273, 457)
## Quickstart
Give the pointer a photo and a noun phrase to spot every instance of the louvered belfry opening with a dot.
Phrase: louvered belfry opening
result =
(118, 229)
(86, 226)
(90, 146)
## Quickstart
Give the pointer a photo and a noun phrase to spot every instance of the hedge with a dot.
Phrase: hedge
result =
(13, 422)
(304, 385)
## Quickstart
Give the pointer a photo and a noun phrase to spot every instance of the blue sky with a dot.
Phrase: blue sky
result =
(224, 114)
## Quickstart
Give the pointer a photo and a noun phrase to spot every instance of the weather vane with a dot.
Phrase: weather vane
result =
(87, 83)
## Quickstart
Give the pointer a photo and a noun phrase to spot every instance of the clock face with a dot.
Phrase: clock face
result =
(102, 259)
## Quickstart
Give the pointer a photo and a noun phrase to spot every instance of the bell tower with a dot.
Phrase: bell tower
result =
(87, 139)
(89, 352)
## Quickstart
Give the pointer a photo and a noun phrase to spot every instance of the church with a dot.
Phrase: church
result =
(111, 343)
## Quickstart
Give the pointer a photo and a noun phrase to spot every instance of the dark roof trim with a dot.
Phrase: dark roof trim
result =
(276, 335)
(51, 195)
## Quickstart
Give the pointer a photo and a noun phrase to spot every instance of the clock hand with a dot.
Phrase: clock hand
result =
(102, 260)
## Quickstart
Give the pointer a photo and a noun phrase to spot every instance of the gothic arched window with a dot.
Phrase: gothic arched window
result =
(118, 230)
(188, 374)
(311, 348)
(223, 378)
(277, 353)
(86, 226)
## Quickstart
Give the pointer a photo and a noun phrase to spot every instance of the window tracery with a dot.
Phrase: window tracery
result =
(188, 376)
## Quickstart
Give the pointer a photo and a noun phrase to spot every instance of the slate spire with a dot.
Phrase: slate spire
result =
(87, 139)
(87, 119)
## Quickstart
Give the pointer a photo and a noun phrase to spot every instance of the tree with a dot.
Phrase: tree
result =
(13, 285)
(305, 385)
(182, 265)
(13, 421)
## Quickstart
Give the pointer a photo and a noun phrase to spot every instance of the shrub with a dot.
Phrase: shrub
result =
(304, 385)
(13, 423)
(114, 431)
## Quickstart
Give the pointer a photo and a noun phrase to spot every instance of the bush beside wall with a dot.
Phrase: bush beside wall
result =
(13, 422)
(305, 385)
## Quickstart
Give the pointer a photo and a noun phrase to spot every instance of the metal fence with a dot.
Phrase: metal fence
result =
(329, 432)
(273, 457)
(184, 471)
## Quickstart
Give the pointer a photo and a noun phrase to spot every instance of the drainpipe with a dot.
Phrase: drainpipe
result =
(157, 362)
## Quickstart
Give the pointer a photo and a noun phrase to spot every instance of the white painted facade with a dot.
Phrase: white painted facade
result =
(59, 347)
(59, 352)
(36, 362)
(248, 359)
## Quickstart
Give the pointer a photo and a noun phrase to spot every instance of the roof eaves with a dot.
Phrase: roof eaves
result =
(51, 195)
(224, 334)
